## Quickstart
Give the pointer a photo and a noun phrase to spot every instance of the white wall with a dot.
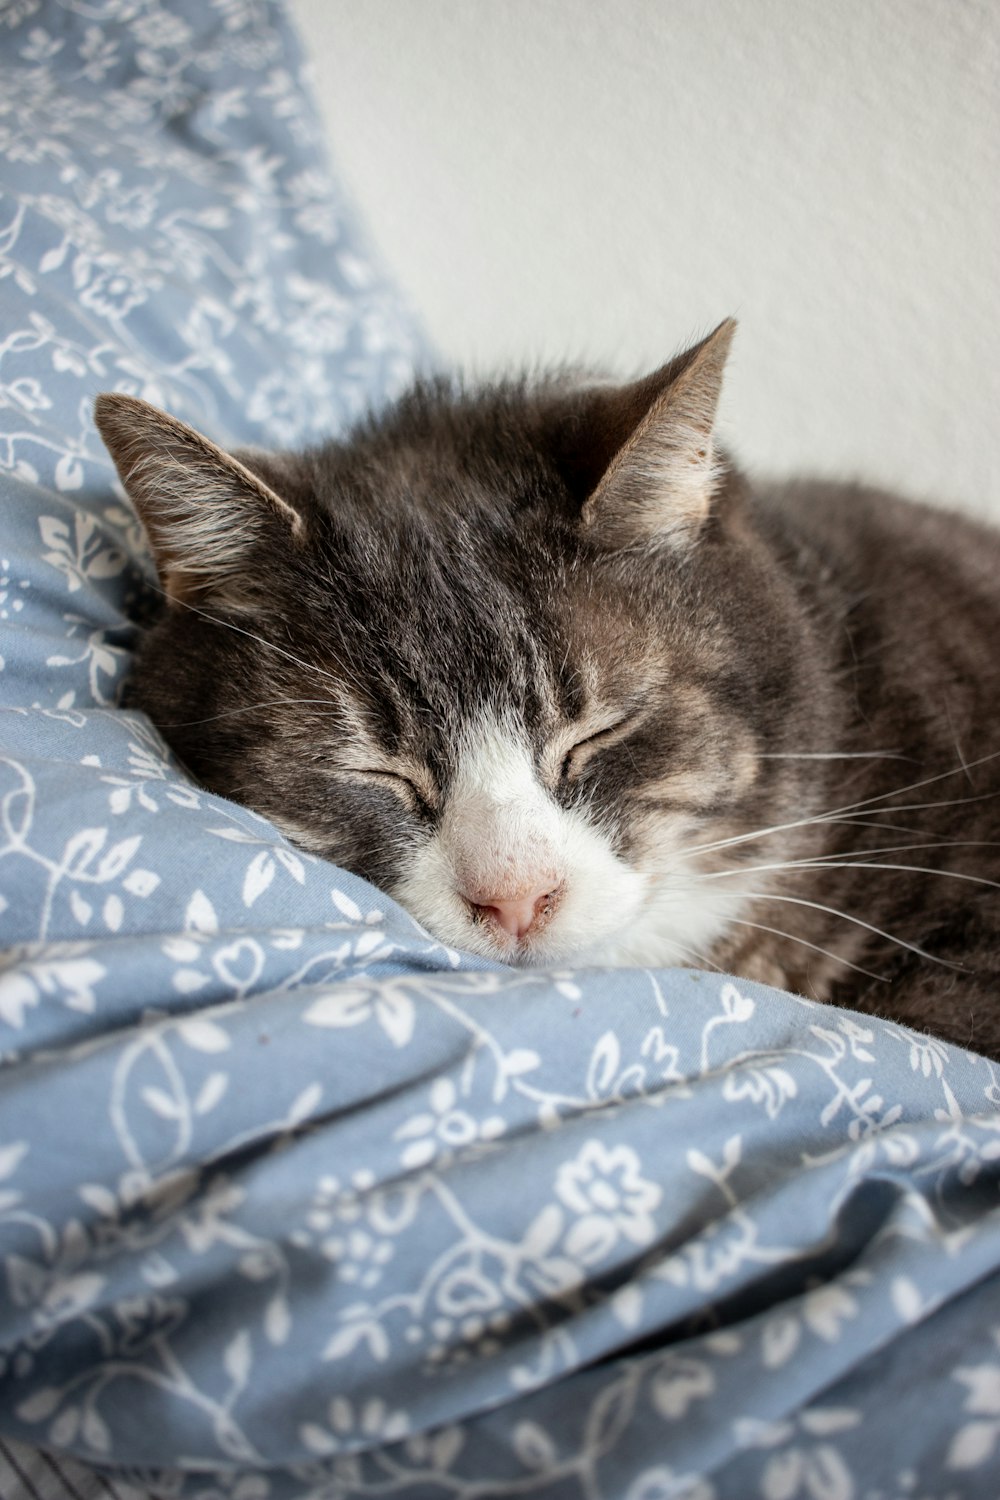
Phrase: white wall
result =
(607, 179)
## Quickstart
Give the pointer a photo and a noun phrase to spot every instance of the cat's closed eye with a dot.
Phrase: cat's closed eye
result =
(413, 797)
(583, 750)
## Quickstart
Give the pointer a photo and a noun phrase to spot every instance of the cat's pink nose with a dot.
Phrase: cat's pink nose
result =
(518, 914)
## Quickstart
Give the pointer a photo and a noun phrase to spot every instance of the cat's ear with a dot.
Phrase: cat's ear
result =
(662, 468)
(204, 511)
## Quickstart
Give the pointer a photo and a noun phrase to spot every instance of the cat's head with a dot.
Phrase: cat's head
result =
(510, 653)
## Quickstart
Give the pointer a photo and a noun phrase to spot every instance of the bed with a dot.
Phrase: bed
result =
(295, 1202)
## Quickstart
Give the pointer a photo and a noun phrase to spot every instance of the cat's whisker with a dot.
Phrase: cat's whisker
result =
(836, 861)
(840, 815)
(701, 959)
(763, 833)
(791, 937)
(914, 786)
(911, 869)
(889, 827)
(835, 755)
(925, 806)
(845, 916)
(958, 746)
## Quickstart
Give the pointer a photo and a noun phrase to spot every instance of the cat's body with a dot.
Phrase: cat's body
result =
(536, 660)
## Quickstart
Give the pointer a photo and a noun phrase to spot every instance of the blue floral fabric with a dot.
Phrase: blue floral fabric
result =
(294, 1202)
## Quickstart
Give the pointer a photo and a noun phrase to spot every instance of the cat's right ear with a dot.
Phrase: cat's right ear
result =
(204, 511)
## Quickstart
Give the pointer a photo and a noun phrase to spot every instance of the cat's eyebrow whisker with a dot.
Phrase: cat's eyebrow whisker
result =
(250, 634)
(247, 708)
(777, 932)
(832, 911)
(260, 639)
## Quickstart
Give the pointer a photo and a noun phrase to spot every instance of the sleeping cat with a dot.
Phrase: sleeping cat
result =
(537, 660)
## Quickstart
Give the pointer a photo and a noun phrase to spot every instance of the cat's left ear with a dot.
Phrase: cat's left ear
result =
(203, 510)
(663, 471)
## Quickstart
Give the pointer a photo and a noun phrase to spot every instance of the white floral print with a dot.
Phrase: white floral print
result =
(294, 1203)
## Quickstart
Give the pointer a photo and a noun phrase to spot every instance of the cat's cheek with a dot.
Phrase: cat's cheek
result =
(681, 922)
(425, 885)
(603, 897)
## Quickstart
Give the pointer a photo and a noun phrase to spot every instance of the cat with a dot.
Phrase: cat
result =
(536, 659)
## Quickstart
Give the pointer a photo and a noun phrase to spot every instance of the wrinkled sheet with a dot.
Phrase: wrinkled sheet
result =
(293, 1200)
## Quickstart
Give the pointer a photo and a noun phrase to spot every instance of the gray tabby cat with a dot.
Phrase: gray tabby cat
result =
(538, 661)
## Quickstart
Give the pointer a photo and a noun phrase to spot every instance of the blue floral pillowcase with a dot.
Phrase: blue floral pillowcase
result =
(294, 1201)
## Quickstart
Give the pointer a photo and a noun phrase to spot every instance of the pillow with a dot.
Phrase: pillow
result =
(293, 1200)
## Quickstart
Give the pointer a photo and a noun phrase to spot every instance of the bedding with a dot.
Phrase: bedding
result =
(293, 1200)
